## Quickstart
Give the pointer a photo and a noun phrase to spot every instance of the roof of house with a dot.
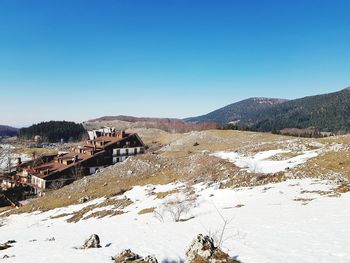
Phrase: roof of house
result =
(54, 166)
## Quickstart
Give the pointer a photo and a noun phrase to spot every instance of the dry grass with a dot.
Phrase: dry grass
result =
(218, 256)
(117, 204)
(304, 201)
(37, 151)
(180, 161)
(161, 195)
(147, 211)
(6, 208)
(283, 156)
(104, 213)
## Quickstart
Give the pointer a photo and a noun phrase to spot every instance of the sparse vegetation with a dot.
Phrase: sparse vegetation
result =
(147, 211)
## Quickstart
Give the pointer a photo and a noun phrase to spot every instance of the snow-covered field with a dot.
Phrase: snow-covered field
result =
(261, 163)
(284, 222)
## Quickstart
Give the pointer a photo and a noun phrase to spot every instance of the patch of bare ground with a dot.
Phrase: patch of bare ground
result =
(147, 211)
(36, 151)
(6, 208)
(304, 201)
(218, 256)
(283, 156)
(161, 195)
(331, 165)
(115, 207)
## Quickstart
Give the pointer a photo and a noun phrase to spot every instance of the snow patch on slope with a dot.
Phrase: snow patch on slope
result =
(260, 163)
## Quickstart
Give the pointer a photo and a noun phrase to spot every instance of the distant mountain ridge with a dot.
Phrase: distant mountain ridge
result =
(235, 112)
(135, 119)
(7, 131)
(326, 112)
(166, 124)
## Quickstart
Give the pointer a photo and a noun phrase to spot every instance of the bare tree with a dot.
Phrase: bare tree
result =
(6, 157)
(77, 172)
(177, 207)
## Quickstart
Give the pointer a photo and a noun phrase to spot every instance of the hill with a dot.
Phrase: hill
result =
(236, 186)
(54, 131)
(122, 122)
(7, 131)
(242, 110)
(326, 112)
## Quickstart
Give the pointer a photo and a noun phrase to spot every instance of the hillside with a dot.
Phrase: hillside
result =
(241, 184)
(122, 122)
(7, 131)
(327, 112)
(242, 110)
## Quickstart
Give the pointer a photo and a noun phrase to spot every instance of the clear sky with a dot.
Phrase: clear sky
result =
(76, 60)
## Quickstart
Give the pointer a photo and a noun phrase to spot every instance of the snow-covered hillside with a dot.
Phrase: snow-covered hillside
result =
(292, 221)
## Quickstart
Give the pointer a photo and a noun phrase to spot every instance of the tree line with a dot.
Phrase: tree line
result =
(54, 131)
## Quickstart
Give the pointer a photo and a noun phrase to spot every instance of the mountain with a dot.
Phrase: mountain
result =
(326, 112)
(7, 131)
(235, 112)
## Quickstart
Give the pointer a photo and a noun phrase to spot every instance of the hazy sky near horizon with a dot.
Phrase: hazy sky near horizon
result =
(77, 60)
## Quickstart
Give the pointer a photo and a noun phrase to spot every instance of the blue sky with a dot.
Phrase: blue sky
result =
(76, 60)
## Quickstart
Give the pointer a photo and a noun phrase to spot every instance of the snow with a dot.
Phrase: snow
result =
(270, 226)
(260, 163)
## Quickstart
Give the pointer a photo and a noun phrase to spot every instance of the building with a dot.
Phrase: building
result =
(104, 148)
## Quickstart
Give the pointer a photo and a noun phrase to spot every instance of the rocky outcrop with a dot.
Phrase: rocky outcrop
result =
(84, 199)
(129, 256)
(203, 250)
(92, 242)
(7, 245)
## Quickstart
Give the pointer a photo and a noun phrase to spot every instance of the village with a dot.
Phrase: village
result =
(106, 146)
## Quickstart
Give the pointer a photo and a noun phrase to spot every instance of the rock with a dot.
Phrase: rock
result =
(151, 259)
(7, 256)
(129, 256)
(202, 246)
(7, 245)
(92, 242)
(84, 199)
(203, 249)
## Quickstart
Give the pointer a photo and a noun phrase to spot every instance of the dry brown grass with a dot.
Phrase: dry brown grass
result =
(182, 162)
(219, 256)
(343, 188)
(37, 151)
(283, 156)
(161, 195)
(304, 201)
(147, 211)
(104, 213)
(117, 204)
(6, 208)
